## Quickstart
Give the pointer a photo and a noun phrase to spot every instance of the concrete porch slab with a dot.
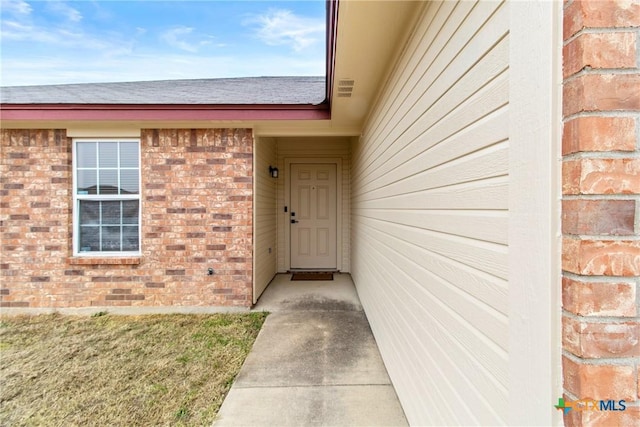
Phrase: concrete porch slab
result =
(283, 294)
(312, 406)
(315, 362)
(314, 348)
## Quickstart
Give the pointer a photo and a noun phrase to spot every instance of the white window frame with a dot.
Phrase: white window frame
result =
(104, 197)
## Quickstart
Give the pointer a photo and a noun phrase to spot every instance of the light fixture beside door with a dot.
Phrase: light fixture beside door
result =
(273, 172)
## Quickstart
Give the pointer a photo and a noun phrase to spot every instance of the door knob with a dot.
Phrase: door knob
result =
(293, 221)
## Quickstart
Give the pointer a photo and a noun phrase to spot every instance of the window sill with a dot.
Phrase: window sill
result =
(89, 260)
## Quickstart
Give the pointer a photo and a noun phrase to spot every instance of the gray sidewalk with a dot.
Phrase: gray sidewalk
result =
(314, 363)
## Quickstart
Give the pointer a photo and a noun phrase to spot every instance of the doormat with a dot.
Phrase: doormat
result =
(312, 276)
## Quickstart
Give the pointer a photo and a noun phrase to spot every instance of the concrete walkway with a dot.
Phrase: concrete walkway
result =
(315, 363)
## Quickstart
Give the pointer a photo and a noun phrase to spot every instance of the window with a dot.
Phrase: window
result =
(106, 197)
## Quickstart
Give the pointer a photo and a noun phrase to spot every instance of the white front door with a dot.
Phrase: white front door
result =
(313, 217)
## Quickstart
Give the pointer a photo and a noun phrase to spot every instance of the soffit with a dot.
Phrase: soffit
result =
(370, 35)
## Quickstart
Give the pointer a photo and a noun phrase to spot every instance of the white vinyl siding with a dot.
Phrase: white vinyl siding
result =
(316, 149)
(430, 217)
(265, 226)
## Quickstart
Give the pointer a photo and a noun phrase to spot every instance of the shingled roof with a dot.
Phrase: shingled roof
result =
(232, 91)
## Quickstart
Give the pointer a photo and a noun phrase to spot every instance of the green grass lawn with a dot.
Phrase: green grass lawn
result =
(120, 370)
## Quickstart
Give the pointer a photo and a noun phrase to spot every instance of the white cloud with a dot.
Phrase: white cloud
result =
(58, 37)
(13, 27)
(18, 31)
(65, 51)
(16, 20)
(283, 27)
(67, 12)
(175, 38)
(185, 38)
(18, 7)
(23, 27)
(43, 70)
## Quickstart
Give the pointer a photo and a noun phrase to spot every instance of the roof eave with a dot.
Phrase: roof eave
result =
(162, 112)
(332, 34)
(187, 112)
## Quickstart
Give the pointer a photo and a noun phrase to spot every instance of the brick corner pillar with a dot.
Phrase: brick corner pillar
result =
(601, 209)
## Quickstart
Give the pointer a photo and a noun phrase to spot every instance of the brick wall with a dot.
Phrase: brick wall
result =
(600, 207)
(196, 213)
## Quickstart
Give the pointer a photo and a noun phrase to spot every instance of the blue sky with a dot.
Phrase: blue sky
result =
(55, 42)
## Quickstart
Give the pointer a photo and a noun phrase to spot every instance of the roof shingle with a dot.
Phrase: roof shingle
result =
(231, 91)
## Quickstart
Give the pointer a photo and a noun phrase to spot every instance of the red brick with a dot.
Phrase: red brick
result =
(21, 304)
(602, 217)
(611, 13)
(154, 285)
(629, 417)
(601, 92)
(175, 247)
(571, 171)
(572, 20)
(601, 257)
(216, 247)
(600, 340)
(114, 297)
(599, 381)
(599, 134)
(599, 51)
(599, 299)
(601, 176)
(168, 272)
(599, 14)
(595, 90)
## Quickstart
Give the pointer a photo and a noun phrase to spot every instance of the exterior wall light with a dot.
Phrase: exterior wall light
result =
(273, 172)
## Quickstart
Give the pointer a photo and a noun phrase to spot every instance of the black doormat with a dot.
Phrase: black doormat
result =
(312, 276)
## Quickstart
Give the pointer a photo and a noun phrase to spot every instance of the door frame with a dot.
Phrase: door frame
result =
(287, 202)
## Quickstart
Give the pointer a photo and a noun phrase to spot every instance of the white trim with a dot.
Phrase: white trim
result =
(254, 220)
(76, 199)
(534, 230)
(287, 202)
(102, 133)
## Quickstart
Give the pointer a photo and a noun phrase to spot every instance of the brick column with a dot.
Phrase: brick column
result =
(600, 208)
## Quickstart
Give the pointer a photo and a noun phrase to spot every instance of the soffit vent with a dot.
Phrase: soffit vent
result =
(345, 88)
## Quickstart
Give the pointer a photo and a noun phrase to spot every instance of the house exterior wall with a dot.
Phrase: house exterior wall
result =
(430, 218)
(266, 229)
(316, 149)
(600, 208)
(197, 212)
